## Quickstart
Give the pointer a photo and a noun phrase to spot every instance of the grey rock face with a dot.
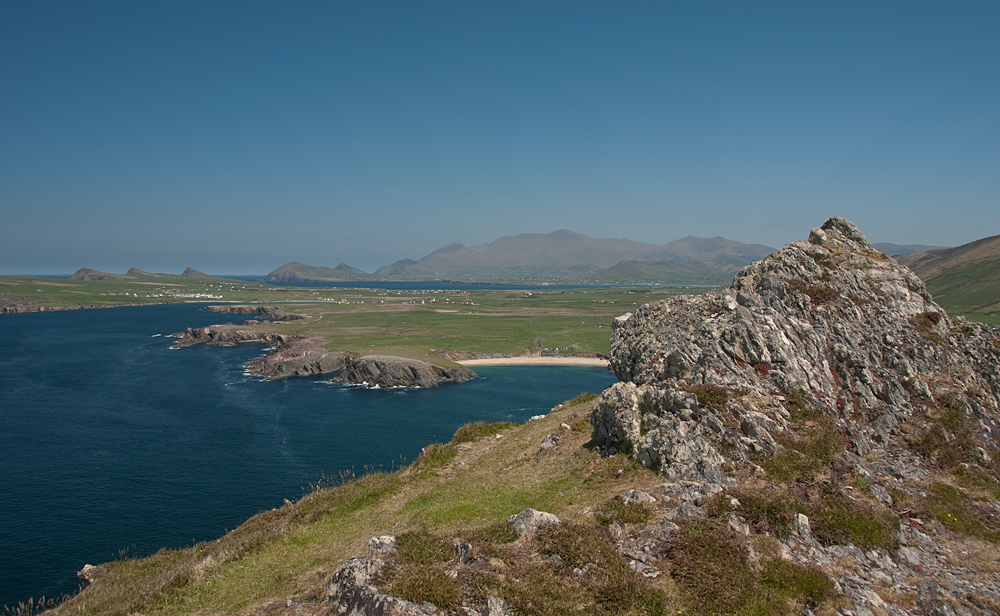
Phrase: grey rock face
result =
(298, 356)
(389, 371)
(351, 591)
(530, 520)
(829, 318)
(275, 313)
(225, 335)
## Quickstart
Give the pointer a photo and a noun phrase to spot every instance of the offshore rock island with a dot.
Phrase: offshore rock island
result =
(820, 438)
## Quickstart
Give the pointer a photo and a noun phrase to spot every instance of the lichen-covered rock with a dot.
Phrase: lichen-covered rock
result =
(351, 592)
(530, 520)
(829, 321)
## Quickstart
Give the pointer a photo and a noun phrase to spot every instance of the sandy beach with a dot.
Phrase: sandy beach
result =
(528, 360)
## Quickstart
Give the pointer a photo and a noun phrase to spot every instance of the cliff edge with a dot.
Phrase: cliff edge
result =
(825, 384)
(818, 439)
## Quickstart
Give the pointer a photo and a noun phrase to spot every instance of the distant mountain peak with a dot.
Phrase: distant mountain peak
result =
(295, 271)
(85, 273)
(564, 255)
(195, 273)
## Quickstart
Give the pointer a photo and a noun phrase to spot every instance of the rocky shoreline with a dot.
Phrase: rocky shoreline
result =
(307, 356)
(8, 306)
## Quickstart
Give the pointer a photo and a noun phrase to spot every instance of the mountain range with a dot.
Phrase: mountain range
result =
(557, 256)
(85, 273)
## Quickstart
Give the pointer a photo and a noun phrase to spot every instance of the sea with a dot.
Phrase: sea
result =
(114, 444)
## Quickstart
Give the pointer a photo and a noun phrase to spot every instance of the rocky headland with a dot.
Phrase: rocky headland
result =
(226, 334)
(390, 371)
(307, 355)
(273, 313)
(819, 439)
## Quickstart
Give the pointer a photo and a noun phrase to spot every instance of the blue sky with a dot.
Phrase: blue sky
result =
(236, 136)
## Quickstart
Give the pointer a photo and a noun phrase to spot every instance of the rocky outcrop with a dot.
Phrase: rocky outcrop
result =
(306, 356)
(352, 591)
(226, 335)
(530, 520)
(390, 371)
(832, 345)
(299, 356)
(353, 588)
(274, 313)
(829, 318)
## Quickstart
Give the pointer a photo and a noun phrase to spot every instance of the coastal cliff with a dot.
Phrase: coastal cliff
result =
(274, 313)
(826, 385)
(226, 335)
(822, 427)
(818, 439)
(389, 371)
(307, 355)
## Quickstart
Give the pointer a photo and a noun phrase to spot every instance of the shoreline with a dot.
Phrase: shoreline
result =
(540, 361)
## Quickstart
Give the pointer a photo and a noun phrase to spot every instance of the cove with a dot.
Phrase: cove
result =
(112, 441)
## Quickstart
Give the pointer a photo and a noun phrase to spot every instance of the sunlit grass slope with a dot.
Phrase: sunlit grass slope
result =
(485, 474)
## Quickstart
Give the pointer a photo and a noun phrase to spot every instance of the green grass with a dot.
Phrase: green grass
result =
(480, 429)
(621, 512)
(142, 289)
(806, 451)
(454, 491)
(969, 287)
(415, 324)
(961, 513)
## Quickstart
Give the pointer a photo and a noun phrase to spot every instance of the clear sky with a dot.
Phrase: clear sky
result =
(236, 136)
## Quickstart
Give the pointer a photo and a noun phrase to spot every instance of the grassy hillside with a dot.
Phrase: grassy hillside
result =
(298, 272)
(91, 289)
(964, 280)
(281, 561)
(456, 490)
(415, 324)
(632, 272)
(428, 325)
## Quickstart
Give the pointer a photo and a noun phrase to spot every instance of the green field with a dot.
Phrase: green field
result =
(34, 292)
(425, 325)
(416, 324)
(969, 289)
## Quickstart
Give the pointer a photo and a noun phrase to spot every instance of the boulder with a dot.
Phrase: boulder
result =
(530, 520)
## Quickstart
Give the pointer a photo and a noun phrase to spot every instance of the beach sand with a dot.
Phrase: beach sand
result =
(551, 361)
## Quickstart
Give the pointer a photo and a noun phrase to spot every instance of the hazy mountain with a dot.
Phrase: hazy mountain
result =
(300, 272)
(567, 255)
(193, 273)
(965, 278)
(902, 249)
(85, 273)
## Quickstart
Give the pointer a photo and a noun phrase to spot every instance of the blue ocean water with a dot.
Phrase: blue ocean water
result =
(113, 441)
